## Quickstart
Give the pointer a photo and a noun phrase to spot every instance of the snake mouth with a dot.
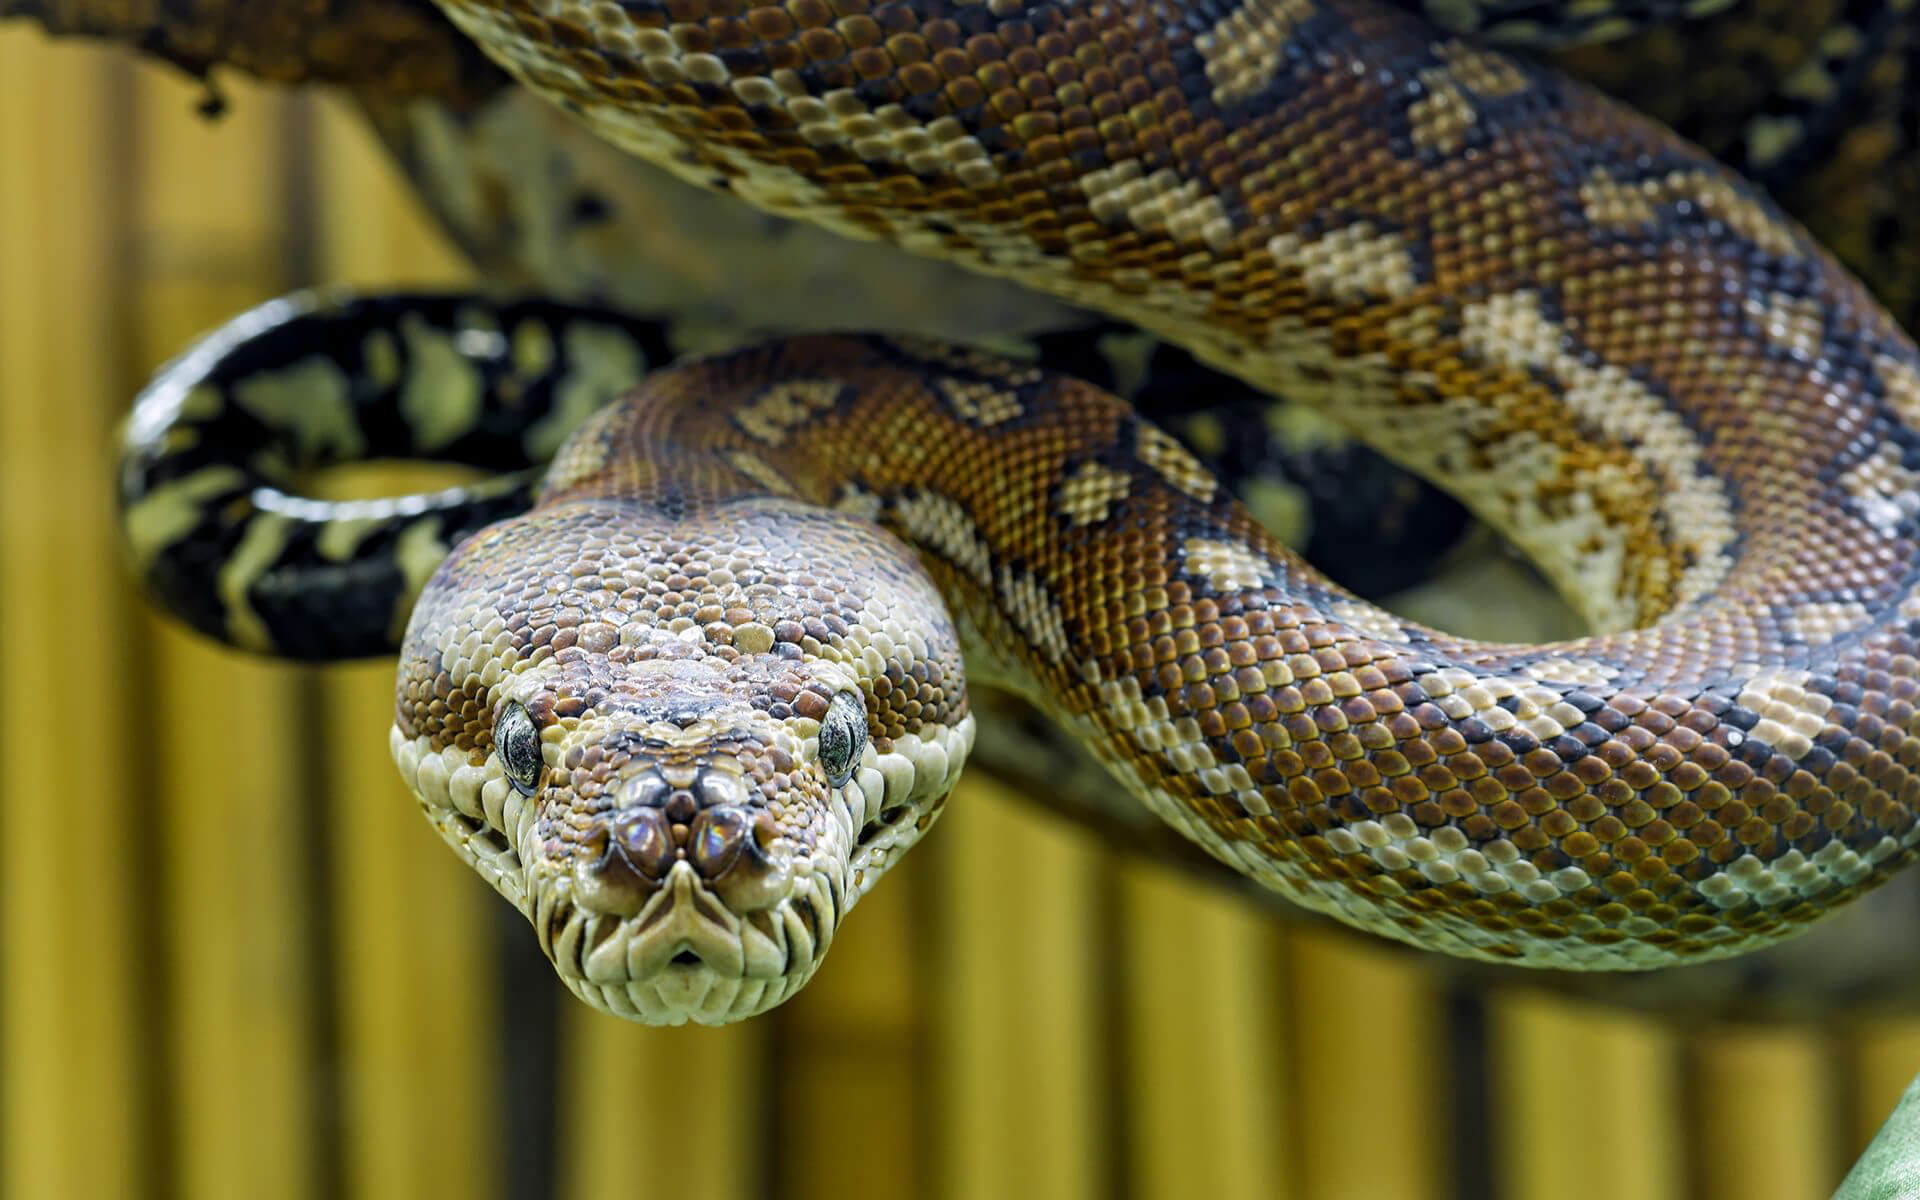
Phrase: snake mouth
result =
(479, 841)
(686, 955)
(711, 925)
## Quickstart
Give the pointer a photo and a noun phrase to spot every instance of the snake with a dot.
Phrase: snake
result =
(688, 706)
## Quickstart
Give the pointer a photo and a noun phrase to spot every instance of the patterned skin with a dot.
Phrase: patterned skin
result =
(212, 457)
(213, 460)
(1615, 802)
(210, 466)
(1589, 291)
(1616, 352)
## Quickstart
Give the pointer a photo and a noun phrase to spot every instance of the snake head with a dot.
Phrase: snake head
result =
(684, 749)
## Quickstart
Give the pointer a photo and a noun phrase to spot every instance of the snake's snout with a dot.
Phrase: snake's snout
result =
(735, 849)
(685, 871)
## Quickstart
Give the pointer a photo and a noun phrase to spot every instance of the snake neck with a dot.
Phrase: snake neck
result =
(1006, 479)
(1324, 198)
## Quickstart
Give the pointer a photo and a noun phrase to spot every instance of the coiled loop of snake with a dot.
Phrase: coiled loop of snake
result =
(1614, 351)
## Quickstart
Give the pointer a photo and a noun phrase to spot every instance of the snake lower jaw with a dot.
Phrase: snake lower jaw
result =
(682, 995)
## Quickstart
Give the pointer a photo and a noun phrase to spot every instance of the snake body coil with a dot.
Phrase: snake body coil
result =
(1617, 353)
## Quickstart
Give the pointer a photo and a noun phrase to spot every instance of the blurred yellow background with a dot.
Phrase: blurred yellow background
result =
(238, 962)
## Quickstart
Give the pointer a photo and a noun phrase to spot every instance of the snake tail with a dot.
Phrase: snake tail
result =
(218, 443)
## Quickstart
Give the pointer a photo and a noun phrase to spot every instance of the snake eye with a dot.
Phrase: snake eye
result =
(518, 744)
(843, 735)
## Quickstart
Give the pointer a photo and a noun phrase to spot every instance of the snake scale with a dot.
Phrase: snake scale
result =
(688, 707)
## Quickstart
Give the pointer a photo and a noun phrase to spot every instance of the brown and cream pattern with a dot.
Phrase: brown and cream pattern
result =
(1609, 347)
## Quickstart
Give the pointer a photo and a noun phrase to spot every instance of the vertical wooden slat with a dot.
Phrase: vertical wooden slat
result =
(848, 1044)
(683, 1111)
(1884, 1058)
(229, 790)
(1018, 1054)
(1206, 1095)
(1763, 1120)
(1366, 1062)
(76, 862)
(1586, 1102)
(417, 981)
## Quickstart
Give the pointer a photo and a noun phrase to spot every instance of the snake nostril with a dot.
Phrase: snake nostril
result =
(622, 861)
(765, 831)
(643, 838)
(596, 845)
(761, 871)
(717, 838)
